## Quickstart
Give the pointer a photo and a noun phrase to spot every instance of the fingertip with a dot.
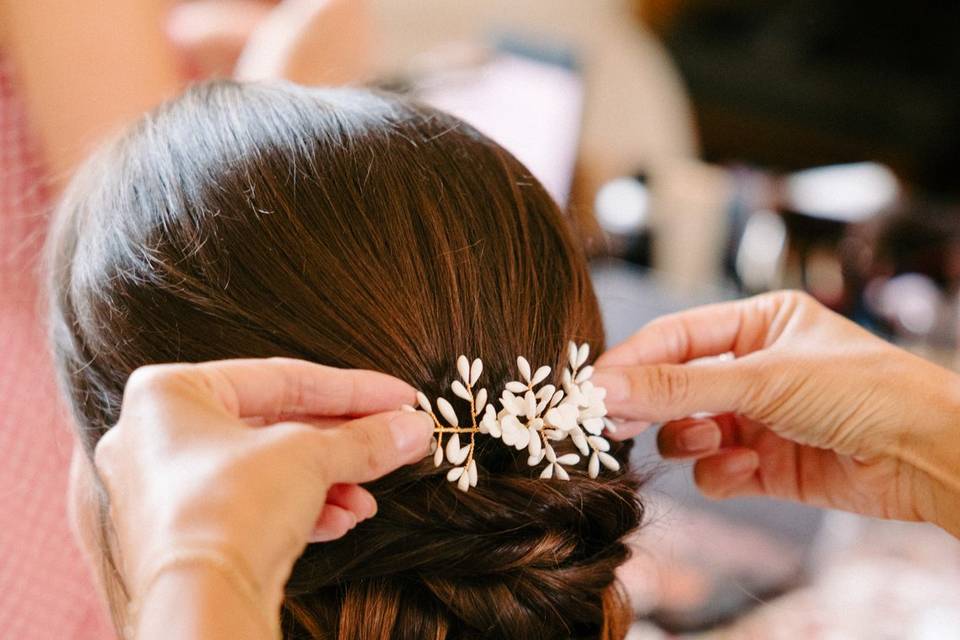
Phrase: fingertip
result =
(411, 432)
(689, 438)
(724, 474)
(354, 498)
(627, 429)
(616, 383)
(334, 522)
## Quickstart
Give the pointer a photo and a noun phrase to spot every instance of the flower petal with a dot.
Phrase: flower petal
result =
(453, 447)
(535, 446)
(446, 410)
(550, 454)
(459, 390)
(480, 401)
(580, 441)
(424, 402)
(582, 354)
(599, 443)
(524, 367)
(593, 468)
(608, 461)
(463, 368)
(515, 386)
(547, 472)
(460, 457)
(531, 404)
(568, 459)
(610, 425)
(475, 370)
(593, 425)
(454, 474)
(540, 375)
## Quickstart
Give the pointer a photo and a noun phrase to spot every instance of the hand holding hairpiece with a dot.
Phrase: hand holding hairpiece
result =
(530, 418)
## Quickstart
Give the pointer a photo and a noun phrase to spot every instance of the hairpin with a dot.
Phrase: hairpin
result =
(530, 418)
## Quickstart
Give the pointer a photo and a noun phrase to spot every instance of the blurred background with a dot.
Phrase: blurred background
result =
(705, 150)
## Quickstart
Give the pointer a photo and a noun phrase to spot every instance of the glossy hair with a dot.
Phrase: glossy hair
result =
(355, 230)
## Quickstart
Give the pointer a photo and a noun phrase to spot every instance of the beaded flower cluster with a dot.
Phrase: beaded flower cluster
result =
(530, 418)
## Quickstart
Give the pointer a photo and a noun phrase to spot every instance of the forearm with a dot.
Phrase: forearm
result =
(197, 602)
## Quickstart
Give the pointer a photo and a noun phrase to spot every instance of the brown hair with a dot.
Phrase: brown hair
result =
(358, 230)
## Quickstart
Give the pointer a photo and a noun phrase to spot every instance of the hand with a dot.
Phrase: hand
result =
(813, 408)
(187, 461)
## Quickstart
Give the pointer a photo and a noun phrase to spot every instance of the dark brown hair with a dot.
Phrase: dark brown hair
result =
(358, 230)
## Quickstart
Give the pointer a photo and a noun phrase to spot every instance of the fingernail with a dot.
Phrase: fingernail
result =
(411, 431)
(704, 436)
(741, 463)
(616, 384)
(371, 506)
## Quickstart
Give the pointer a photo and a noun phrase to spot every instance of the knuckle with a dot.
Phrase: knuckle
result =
(371, 450)
(103, 452)
(155, 379)
(664, 385)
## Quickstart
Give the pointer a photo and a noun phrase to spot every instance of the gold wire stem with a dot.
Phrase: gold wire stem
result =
(474, 429)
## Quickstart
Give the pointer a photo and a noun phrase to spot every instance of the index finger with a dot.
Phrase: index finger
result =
(739, 327)
(273, 388)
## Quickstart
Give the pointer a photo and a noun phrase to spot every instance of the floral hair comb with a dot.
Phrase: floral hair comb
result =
(531, 418)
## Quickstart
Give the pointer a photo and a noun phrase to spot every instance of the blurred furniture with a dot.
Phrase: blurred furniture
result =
(799, 83)
(636, 114)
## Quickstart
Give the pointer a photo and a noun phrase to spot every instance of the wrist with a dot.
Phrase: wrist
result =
(930, 446)
(197, 600)
(210, 571)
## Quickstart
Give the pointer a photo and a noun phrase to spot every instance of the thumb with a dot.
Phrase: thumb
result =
(371, 447)
(658, 393)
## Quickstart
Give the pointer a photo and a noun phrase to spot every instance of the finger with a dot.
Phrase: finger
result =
(739, 327)
(353, 498)
(334, 522)
(689, 438)
(660, 393)
(368, 448)
(732, 472)
(626, 429)
(275, 387)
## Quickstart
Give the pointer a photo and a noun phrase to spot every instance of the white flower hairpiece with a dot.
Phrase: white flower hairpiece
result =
(530, 418)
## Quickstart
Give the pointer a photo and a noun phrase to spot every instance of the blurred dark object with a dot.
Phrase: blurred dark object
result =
(798, 83)
(903, 271)
(622, 210)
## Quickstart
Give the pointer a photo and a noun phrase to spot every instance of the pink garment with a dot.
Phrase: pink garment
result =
(46, 592)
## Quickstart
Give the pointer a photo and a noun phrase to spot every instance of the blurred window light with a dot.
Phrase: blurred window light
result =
(622, 206)
(762, 251)
(844, 192)
(911, 301)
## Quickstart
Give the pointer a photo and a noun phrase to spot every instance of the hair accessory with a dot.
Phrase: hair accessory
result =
(530, 418)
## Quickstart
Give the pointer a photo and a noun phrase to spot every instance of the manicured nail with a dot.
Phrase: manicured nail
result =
(411, 431)
(703, 436)
(741, 463)
(616, 384)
